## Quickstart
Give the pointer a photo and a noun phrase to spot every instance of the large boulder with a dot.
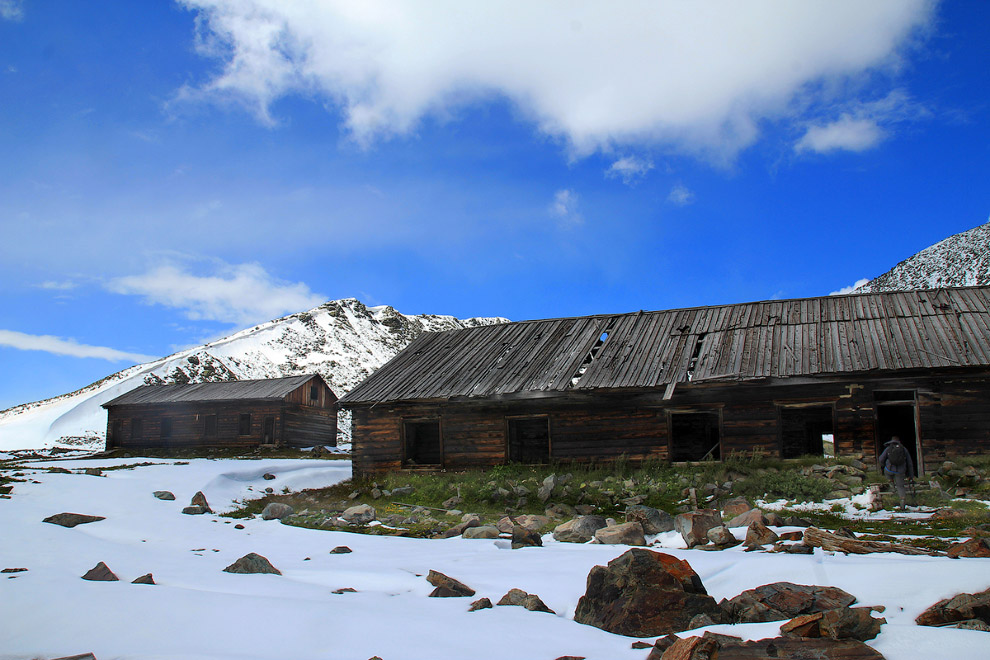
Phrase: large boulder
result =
(72, 519)
(252, 563)
(694, 525)
(784, 600)
(654, 521)
(630, 533)
(642, 593)
(359, 514)
(747, 518)
(276, 511)
(579, 530)
(961, 607)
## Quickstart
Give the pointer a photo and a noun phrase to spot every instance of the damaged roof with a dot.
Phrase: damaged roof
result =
(234, 390)
(771, 339)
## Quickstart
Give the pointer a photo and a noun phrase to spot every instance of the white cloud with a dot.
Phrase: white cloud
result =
(629, 168)
(845, 133)
(11, 10)
(243, 294)
(851, 288)
(680, 195)
(696, 78)
(564, 206)
(71, 347)
(58, 286)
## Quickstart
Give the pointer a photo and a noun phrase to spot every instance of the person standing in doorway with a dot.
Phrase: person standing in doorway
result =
(896, 464)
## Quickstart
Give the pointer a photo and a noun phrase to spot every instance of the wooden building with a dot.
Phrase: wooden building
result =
(836, 374)
(293, 411)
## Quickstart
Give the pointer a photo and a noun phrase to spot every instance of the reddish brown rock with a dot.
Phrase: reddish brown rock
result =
(748, 518)
(694, 525)
(734, 507)
(760, 534)
(961, 607)
(480, 604)
(784, 600)
(842, 623)
(693, 648)
(100, 573)
(642, 593)
(447, 587)
(793, 648)
(972, 548)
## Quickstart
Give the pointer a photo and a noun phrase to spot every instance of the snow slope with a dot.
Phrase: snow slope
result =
(342, 340)
(198, 612)
(960, 260)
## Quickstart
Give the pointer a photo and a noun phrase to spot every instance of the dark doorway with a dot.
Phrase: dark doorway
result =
(806, 430)
(898, 419)
(694, 436)
(268, 431)
(423, 446)
(529, 440)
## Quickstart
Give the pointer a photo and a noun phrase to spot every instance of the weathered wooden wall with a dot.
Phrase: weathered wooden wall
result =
(953, 412)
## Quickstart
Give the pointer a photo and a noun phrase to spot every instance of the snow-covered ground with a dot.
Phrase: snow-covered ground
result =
(197, 611)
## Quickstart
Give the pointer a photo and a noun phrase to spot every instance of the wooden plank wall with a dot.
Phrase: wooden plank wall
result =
(953, 413)
(188, 424)
(306, 426)
(326, 399)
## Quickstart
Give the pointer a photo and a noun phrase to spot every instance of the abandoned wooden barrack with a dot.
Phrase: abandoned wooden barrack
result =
(294, 411)
(828, 375)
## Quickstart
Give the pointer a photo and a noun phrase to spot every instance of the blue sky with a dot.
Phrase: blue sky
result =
(175, 171)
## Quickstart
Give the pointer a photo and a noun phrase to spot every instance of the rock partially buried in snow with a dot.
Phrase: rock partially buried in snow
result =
(194, 510)
(480, 604)
(482, 532)
(359, 514)
(80, 656)
(712, 646)
(72, 519)
(341, 550)
(520, 598)
(784, 600)
(579, 530)
(147, 578)
(268, 476)
(164, 495)
(447, 587)
(842, 623)
(630, 533)
(721, 537)
(759, 534)
(252, 563)
(747, 518)
(100, 573)
(200, 500)
(654, 521)
(525, 538)
(961, 607)
(276, 511)
(694, 525)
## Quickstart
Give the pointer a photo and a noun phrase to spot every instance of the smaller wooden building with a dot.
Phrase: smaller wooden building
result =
(293, 411)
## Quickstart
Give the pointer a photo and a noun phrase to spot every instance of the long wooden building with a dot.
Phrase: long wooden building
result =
(293, 411)
(830, 375)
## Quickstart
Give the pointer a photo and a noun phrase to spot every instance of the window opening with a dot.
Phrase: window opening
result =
(529, 440)
(806, 431)
(422, 439)
(210, 425)
(166, 430)
(244, 424)
(136, 431)
(314, 393)
(694, 436)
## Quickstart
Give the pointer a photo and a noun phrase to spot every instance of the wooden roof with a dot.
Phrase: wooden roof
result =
(234, 390)
(771, 339)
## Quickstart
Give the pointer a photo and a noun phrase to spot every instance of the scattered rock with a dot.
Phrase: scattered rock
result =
(452, 502)
(578, 530)
(781, 648)
(791, 536)
(344, 590)
(520, 598)
(774, 519)
(359, 514)
(100, 573)
(13, 570)
(642, 593)
(961, 607)
(784, 600)
(341, 550)
(532, 522)
(268, 476)
(238, 526)
(481, 532)
(722, 537)
(200, 500)
(80, 656)
(559, 511)
(842, 623)
(523, 538)
(640, 645)
(654, 521)
(972, 624)
(747, 518)
(979, 547)
(93, 472)
(480, 604)
(734, 507)
(760, 534)
(276, 511)
(447, 587)
(460, 528)
(585, 509)
(402, 491)
(147, 578)
(694, 525)
(72, 519)
(194, 510)
(252, 563)
(692, 648)
(164, 495)
(661, 646)
(795, 521)
(630, 533)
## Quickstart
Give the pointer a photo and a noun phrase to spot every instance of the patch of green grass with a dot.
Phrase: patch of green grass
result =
(785, 484)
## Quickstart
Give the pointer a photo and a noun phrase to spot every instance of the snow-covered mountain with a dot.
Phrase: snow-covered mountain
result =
(960, 260)
(342, 340)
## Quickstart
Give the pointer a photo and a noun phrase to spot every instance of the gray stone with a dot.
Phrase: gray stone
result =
(578, 530)
(147, 578)
(341, 550)
(654, 521)
(460, 528)
(194, 510)
(532, 522)
(520, 598)
(630, 533)
(585, 509)
(560, 511)
(721, 536)
(694, 525)
(734, 507)
(94, 472)
(402, 491)
(359, 514)
(760, 534)
(100, 573)
(276, 511)
(481, 532)
(252, 563)
(200, 500)
(268, 476)
(164, 495)
(747, 518)
(72, 519)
